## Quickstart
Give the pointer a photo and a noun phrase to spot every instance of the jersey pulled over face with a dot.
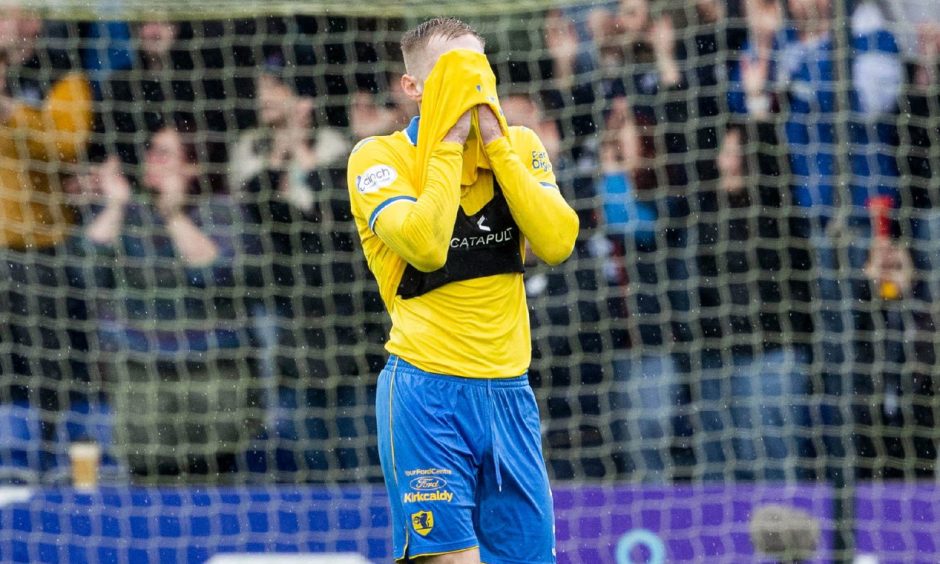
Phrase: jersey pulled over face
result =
(470, 317)
(422, 62)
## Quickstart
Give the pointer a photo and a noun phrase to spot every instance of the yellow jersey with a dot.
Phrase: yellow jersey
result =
(476, 327)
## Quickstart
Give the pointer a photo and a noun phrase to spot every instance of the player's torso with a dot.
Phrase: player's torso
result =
(470, 318)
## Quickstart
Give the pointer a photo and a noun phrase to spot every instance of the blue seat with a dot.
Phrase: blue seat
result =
(20, 444)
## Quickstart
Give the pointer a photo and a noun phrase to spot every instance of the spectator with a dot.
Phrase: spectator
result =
(753, 70)
(635, 191)
(793, 65)
(669, 79)
(280, 156)
(894, 437)
(646, 379)
(283, 173)
(909, 18)
(674, 73)
(634, 40)
(890, 269)
(162, 83)
(752, 397)
(45, 118)
(921, 102)
(368, 117)
(928, 51)
(908, 322)
(626, 186)
(167, 316)
(568, 93)
(926, 66)
(660, 97)
(136, 100)
(707, 71)
(33, 67)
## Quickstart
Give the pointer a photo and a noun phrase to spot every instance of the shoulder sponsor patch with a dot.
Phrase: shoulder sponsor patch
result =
(540, 161)
(375, 178)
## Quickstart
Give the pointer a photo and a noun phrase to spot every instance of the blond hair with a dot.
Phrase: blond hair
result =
(417, 38)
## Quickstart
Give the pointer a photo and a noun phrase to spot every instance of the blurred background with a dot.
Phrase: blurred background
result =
(749, 307)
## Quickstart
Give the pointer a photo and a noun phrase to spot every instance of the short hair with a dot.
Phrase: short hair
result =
(445, 27)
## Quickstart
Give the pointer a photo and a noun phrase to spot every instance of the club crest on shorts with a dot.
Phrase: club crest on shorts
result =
(423, 522)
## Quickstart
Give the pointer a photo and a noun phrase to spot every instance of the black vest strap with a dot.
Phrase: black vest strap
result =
(483, 244)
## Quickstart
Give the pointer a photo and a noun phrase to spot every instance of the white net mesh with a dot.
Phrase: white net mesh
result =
(735, 310)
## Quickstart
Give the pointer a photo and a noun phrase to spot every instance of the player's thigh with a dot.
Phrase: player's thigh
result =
(471, 556)
(429, 467)
(515, 519)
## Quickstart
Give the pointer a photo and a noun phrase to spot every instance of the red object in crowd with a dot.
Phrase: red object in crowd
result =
(879, 207)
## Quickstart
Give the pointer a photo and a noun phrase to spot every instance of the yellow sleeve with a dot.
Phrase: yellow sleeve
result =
(526, 178)
(61, 128)
(416, 225)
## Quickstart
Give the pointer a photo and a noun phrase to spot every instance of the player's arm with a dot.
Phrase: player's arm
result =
(536, 203)
(417, 227)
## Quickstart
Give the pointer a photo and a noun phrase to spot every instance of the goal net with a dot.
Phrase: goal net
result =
(739, 355)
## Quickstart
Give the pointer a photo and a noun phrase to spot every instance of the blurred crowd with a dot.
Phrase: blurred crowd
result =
(750, 297)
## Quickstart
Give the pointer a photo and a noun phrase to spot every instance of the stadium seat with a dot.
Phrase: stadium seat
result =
(20, 445)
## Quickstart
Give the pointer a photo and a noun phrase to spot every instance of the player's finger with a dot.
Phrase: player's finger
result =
(460, 130)
(486, 112)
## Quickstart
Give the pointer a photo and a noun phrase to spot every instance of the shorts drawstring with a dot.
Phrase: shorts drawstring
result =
(494, 436)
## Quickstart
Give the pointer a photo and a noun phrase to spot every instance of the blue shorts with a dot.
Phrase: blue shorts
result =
(462, 459)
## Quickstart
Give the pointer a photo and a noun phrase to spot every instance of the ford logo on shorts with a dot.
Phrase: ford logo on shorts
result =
(427, 483)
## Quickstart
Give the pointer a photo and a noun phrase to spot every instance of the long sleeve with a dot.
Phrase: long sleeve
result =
(543, 215)
(416, 225)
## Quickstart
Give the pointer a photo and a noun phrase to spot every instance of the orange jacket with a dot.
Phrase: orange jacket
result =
(35, 143)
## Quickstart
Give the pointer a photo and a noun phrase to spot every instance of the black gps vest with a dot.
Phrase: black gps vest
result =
(483, 244)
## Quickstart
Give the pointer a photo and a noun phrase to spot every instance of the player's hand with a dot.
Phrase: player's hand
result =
(458, 133)
(489, 125)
